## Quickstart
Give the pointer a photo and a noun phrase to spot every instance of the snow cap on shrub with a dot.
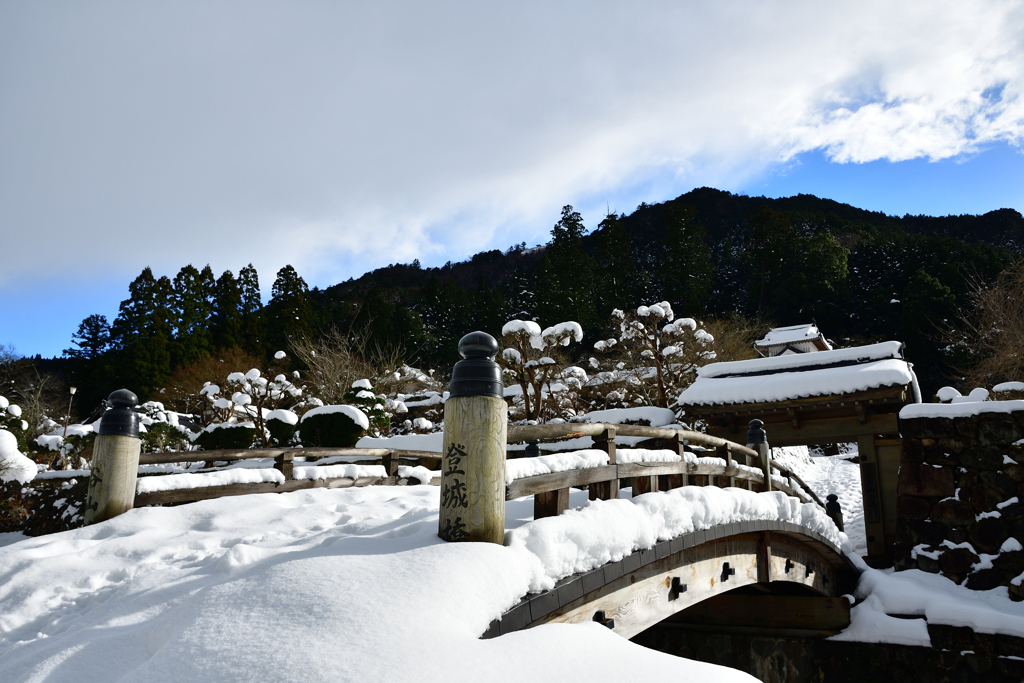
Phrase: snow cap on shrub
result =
(13, 465)
(357, 416)
(286, 416)
(362, 384)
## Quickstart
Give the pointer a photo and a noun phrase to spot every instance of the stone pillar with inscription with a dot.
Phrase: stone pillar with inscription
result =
(115, 460)
(473, 461)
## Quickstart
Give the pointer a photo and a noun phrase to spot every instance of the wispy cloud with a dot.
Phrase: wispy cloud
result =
(338, 138)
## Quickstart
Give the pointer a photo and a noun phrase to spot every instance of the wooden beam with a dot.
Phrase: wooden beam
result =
(835, 430)
(550, 503)
(871, 492)
(808, 613)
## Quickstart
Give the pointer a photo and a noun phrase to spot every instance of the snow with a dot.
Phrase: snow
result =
(14, 410)
(655, 417)
(422, 424)
(633, 455)
(175, 482)
(1009, 386)
(789, 335)
(4, 403)
(279, 355)
(717, 388)
(13, 465)
(966, 409)
(303, 586)
(418, 472)
(607, 530)
(356, 415)
(803, 361)
(286, 416)
(519, 468)
(362, 384)
(931, 597)
(947, 394)
(408, 442)
(338, 471)
(520, 327)
(252, 375)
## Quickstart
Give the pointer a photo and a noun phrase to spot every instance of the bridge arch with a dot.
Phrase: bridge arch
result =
(650, 586)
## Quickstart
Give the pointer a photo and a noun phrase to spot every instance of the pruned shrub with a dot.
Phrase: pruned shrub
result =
(333, 426)
(282, 425)
(228, 435)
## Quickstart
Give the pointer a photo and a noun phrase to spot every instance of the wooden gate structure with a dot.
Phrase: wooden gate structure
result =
(827, 397)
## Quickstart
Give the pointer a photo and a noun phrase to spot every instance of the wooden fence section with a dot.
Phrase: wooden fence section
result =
(284, 459)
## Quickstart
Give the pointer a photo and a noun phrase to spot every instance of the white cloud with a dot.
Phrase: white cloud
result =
(341, 138)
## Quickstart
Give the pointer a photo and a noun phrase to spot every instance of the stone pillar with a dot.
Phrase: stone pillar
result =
(475, 435)
(115, 460)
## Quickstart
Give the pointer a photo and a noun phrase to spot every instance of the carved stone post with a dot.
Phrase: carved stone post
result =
(758, 440)
(115, 460)
(475, 434)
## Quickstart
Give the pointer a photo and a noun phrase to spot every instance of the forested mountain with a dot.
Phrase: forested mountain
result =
(862, 276)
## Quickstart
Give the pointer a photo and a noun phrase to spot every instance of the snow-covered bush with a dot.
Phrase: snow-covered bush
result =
(652, 358)
(229, 435)
(374, 406)
(252, 397)
(282, 425)
(529, 359)
(13, 465)
(333, 426)
(11, 420)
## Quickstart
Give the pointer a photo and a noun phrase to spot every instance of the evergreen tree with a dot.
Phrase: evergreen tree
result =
(191, 314)
(686, 265)
(521, 301)
(290, 310)
(566, 275)
(617, 271)
(445, 312)
(90, 371)
(226, 320)
(253, 319)
(141, 334)
(773, 255)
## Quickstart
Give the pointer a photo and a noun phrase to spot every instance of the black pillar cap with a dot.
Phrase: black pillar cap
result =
(121, 419)
(756, 433)
(478, 374)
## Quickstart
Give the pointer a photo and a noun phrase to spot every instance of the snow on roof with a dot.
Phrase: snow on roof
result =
(782, 378)
(792, 335)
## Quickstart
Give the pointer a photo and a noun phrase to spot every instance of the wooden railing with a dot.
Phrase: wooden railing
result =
(551, 491)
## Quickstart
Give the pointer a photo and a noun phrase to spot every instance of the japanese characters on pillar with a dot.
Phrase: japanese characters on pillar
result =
(473, 462)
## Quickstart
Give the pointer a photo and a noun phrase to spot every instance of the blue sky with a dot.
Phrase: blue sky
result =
(340, 137)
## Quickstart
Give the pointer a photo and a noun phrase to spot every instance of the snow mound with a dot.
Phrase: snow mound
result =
(13, 465)
(357, 416)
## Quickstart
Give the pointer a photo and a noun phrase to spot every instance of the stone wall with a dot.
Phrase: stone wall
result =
(958, 506)
(956, 656)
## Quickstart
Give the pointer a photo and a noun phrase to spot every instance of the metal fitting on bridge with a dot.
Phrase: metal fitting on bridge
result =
(475, 433)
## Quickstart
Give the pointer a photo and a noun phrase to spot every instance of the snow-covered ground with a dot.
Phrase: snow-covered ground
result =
(316, 585)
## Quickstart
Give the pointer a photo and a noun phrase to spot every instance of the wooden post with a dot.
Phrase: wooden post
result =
(725, 452)
(550, 503)
(285, 464)
(675, 481)
(605, 490)
(475, 432)
(115, 460)
(871, 490)
(758, 440)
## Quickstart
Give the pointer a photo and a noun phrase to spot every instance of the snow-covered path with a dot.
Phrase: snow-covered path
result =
(838, 474)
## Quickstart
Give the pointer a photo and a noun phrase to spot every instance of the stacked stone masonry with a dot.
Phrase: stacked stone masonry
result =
(959, 509)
